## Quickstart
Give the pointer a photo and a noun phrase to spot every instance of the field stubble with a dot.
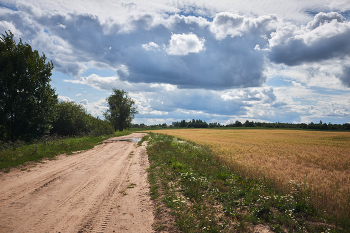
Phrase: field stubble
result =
(318, 161)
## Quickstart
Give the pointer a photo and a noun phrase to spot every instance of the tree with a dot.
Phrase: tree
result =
(238, 124)
(27, 101)
(121, 111)
(72, 119)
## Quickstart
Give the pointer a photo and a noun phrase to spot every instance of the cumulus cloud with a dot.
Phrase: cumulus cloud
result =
(230, 24)
(64, 98)
(324, 41)
(61, 26)
(183, 44)
(95, 108)
(324, 18)
(192, 58)
(107, 83)
(8, 25)
(326, 37)
(225, 24)
(150, 46)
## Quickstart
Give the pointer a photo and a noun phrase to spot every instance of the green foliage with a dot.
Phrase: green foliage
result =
(145, 138)
(27, 101)
(73, 120)
(193, 124)
(121, 111)
(98, 127)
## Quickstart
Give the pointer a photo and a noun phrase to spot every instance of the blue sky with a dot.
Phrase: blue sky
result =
(219, 61)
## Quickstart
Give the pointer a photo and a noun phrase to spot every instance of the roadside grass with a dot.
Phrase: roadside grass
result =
(205, 195)
(145, 138)
(19, 153)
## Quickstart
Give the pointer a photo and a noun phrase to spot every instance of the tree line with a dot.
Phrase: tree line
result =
(311, 125)
(29, 106)
(202, 124)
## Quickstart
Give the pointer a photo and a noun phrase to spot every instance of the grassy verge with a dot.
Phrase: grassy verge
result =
(206, 196)
(19, 153)
(145, 138)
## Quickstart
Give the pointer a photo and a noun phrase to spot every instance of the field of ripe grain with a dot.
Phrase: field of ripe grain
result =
(316, 160)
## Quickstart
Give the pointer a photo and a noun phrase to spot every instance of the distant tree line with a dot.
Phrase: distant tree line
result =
(190, 124)
(202, 124)
(311, 125)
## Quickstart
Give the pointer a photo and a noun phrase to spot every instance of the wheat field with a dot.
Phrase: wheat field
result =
(318, 160)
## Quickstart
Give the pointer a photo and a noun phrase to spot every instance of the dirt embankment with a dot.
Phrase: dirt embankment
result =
(101, 190)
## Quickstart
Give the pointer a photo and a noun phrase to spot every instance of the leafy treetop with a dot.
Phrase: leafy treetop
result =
(27, 101)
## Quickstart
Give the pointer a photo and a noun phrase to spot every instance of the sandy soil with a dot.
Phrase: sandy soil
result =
(99, 190)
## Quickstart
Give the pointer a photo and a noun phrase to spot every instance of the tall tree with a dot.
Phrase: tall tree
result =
(121, 111)
(27, 101)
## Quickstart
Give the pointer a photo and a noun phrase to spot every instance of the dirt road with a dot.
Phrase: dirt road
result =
(99, 190)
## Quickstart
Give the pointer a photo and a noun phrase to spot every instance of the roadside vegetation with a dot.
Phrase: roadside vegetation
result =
(20, 153)
(206, 193)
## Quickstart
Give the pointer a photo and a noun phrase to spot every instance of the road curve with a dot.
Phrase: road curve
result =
(100, 190)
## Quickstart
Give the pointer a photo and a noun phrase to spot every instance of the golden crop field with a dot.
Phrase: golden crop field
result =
(317, 159)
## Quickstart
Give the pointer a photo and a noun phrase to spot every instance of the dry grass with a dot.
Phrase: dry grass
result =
(319, 160)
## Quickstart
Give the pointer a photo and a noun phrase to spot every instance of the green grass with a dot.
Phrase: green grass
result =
(145, 138)
(19, 153)
(206, 196)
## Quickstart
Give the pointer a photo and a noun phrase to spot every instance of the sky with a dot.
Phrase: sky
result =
(218, 61)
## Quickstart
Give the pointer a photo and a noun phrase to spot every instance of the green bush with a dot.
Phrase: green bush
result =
(73, 120)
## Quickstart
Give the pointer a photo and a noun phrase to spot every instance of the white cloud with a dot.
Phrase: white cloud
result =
(326, 37)
(325, 18)
(61, 26)
(95, 108)
(225, 24)
(296, 84)
(107, 83)
(150, 46)
(324, 43)
(9, 25)
(230, 24)
(183, 44)
(64, 98)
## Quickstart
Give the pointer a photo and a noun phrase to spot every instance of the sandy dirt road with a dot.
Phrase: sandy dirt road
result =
(100, 190)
